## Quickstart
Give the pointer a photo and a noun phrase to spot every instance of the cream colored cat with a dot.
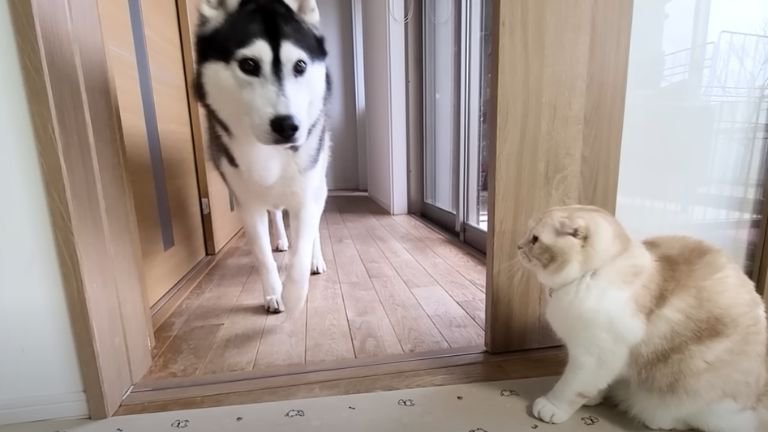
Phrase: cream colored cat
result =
(670, 328)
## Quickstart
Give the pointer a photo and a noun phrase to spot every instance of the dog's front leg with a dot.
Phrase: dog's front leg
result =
(281, 239)
(256, 221)
(318, 265)
(304, 228)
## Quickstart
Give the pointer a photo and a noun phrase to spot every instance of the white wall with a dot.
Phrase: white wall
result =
(695, 128)
(385, 103)
(39, 373)
(336, 22)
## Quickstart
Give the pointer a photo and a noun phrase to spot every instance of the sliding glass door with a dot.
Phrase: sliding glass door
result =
(697, 119)
(456, 51)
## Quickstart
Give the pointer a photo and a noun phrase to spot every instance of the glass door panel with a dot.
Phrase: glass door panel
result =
(456, 52)
(476, 79)
(441, 104)
(693, 156)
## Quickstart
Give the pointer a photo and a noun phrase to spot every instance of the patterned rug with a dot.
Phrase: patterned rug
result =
(482, 407)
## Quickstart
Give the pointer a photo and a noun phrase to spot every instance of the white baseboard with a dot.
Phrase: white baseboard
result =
(29, 409)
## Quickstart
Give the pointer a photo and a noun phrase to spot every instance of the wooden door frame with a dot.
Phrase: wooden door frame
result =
(556, 125)
(79, 142)
(198, 131)
(760, 273)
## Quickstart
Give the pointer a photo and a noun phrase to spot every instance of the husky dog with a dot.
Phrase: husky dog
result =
(263, 82)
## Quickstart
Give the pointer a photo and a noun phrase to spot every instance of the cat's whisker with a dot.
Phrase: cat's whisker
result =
(514, 263)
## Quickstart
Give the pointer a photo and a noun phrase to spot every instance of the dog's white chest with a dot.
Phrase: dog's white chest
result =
(267, 166)
(268, 175)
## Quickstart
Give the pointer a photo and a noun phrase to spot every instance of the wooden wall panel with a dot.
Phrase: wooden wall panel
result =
(560, 79)
(77, 134)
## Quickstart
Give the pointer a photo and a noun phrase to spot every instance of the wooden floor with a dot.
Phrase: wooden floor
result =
(394, 287)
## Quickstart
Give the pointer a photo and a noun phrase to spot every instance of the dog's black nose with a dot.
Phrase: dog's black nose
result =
(284, 126)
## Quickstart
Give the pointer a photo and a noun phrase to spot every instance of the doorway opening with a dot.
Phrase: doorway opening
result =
(398, 289)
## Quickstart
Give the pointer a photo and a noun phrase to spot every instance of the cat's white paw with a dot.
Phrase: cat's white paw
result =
(274, 304)
(546, 411)
(665, 424)
(281, 245)
(595, 400)
(318, 265)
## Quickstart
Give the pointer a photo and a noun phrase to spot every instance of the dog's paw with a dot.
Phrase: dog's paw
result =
(546, 411)
(274, 304)
(281, 245)
(318, 266)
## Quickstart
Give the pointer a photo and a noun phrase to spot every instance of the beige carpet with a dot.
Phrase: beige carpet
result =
(483, 407)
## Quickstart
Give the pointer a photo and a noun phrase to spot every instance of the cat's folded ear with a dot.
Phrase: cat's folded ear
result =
(574, 227)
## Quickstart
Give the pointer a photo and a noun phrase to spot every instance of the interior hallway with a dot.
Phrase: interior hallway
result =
(395, 288)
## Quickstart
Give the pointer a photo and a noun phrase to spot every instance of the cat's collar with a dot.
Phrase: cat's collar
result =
(578, 281)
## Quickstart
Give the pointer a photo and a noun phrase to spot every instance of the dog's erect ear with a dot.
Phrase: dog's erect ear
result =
(214, 12)
(306, 10)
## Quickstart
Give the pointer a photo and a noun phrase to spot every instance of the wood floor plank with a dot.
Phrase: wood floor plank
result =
(373, 260)
(454, 323)
(409, 269)
(328, 335)
(171, 326)
(188, 349)
(178, 318)
(372, 333)
(284, 338)
(185, 353)
(238, 340)
(215, 305)
(350, 269)
(454, 253)
(413, 327)
(411, 324)
(451, 280)
(476, 310)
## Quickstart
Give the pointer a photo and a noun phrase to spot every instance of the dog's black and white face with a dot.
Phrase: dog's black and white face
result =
(261, 67)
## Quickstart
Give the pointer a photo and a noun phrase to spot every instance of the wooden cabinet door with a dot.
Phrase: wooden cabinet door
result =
(144, 52)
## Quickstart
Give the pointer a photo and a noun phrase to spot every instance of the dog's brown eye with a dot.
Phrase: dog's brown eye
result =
(534, 240)
(249, 66)
(299, 68)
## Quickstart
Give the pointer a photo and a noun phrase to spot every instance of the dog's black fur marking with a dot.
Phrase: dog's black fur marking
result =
(270, 20)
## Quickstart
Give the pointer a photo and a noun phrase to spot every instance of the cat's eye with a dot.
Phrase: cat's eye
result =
(249, 66)
(299, 68)
(534, 240)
